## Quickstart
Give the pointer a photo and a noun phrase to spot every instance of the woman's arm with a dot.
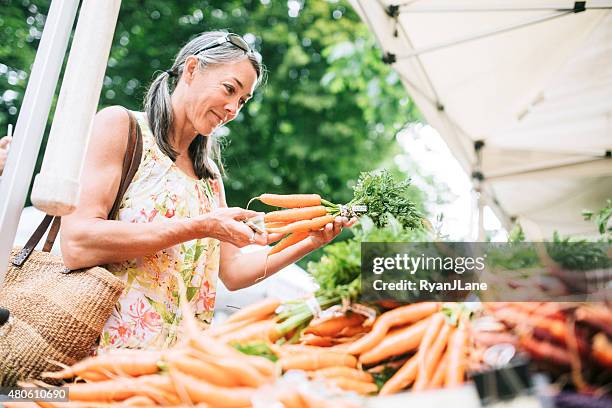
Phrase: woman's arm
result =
(89, 239)
(239, 270)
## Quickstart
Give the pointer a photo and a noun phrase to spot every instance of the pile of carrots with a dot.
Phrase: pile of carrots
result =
(564, 338)
(434, 348)
(201, 372)
(427, 348)
(416, 347)
(342, 350)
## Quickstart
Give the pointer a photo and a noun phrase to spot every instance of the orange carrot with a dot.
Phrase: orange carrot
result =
(312, 361)
(457, 348)
(437, 380)
(304, 225)
(225, 328)
(21, 404)
(243, 372)
(312, 339)
(289, 240)
(295, 349)
(429, 357)
(343, 371)
(262, 330)
(201, 369)
(129, 363)
(542, 350)
(352, 331)
(334, 325)
(290, 200)
(402, 378)
(397, 343)
(201, 391)
(396, 317)
(295, 214)
(602, 350)
(256, 311)
(207, 347)
(120, 389)
(275, 224)
(360, 387)
(139, 401)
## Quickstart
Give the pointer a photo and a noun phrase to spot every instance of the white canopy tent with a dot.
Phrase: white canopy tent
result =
(521, 91)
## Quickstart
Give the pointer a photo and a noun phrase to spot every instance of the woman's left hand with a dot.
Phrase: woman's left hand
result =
(330, 231)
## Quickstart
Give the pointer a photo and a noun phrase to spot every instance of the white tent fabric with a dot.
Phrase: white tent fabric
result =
(530, 79)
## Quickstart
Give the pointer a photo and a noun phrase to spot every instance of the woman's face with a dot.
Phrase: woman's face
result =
(216, 94)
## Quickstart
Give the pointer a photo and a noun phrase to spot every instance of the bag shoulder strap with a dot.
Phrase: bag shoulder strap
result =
(131, 161)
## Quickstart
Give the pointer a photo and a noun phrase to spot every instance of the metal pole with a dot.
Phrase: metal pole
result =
(56, 188)
(485, 34)
(32, 120)
(481, 230)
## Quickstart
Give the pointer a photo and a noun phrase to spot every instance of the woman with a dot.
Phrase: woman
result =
(173, 221)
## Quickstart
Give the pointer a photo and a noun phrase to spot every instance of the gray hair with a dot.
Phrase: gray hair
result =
(158, 104)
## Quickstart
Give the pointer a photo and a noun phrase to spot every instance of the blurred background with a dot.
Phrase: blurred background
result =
(329, 110)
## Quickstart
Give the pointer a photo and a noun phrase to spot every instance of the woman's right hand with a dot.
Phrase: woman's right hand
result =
(226, 224)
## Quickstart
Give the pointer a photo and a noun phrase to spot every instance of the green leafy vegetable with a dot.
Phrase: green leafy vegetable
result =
(385, 196)
(602, 218)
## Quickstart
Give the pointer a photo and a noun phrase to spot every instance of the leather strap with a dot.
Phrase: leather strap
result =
(131, 161)
(55, 226)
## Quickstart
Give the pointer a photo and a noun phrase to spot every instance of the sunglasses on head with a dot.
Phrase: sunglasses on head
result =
(233, 39)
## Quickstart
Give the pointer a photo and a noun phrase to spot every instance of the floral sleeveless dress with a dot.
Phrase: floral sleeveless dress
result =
(147, 314)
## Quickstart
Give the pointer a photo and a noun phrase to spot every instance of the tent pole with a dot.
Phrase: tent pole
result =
(508, 6)
(31, 121)
(478, 36)
(56, 188)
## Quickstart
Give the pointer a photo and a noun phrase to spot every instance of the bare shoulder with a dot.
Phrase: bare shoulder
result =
(110, 130)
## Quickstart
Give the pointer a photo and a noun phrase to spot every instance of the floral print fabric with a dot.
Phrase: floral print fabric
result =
(147, 314)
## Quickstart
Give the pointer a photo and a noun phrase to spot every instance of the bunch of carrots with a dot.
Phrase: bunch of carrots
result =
(303, 213)
(378, 194)
(569, 338)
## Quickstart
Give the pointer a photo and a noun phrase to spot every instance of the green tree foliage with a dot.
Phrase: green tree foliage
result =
(329, 110)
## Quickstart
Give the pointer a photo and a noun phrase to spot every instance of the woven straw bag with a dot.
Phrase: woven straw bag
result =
(57, 315)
